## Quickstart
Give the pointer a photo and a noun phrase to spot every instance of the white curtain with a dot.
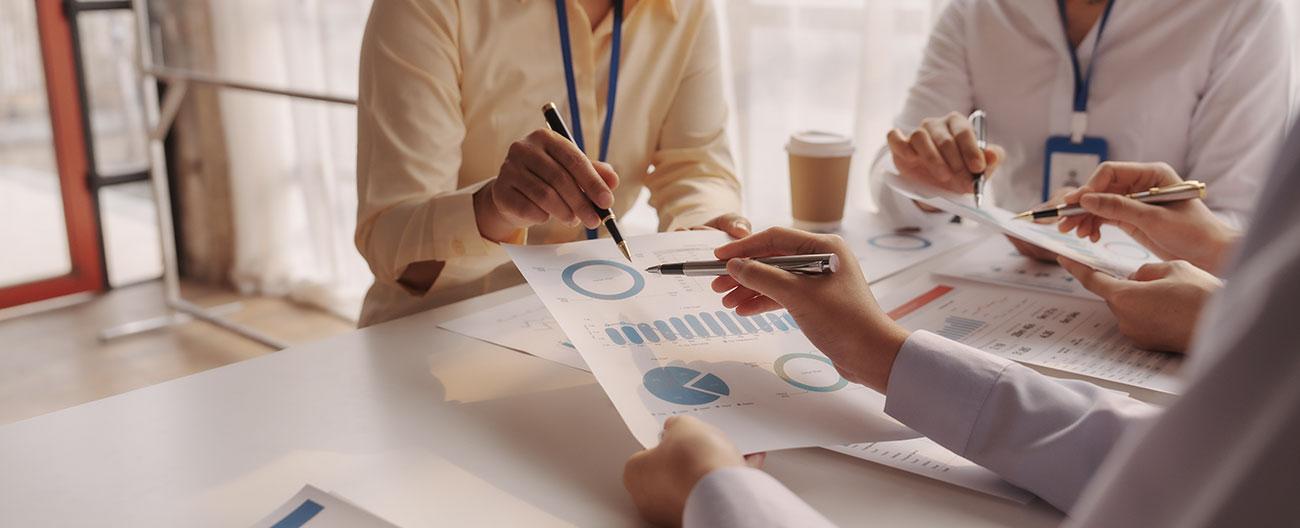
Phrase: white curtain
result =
(837, 65)
(293, 162)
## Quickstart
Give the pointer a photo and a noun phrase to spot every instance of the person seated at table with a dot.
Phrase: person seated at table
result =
(1221, 455)
(453, 156)
(1197, 84)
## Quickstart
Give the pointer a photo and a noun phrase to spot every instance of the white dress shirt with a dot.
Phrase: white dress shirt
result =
(1199, 84)
(1224, 454)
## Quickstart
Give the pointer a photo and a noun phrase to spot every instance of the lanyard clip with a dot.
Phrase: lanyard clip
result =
(1078, 127)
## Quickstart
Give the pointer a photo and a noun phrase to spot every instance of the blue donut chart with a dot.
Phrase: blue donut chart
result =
(779, 367)
(899, 242)
(638, 281)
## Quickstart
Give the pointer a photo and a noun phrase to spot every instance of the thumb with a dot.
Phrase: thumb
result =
(993, 156)
(773, 282)
(1120, 208)
(1094, 281)
(1152, 271)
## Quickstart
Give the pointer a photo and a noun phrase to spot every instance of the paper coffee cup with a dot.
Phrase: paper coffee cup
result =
(819, 178)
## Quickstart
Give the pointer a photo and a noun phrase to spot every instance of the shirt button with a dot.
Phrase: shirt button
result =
(458, 248)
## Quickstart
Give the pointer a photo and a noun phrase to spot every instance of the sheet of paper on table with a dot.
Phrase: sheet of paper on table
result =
(313, 508)
(996, 261)
(924, 457)
(665, 346)
(884, 251)
(525, 325)
(1117, 254)
(1054, 331)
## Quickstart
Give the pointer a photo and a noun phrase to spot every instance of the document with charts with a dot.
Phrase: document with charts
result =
(996, 261)
(884, 251)
(1117, 254)
(523, 325)
(665, 346)
(922, 456)
(1054, 331)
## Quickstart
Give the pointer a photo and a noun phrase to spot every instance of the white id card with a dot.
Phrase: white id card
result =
(1070, 164)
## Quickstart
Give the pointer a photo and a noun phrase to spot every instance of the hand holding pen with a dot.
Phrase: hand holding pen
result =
(544, 176)
(945, 152)
(1183, 229)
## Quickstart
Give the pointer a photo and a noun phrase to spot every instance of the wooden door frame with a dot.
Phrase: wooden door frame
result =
(79, 206)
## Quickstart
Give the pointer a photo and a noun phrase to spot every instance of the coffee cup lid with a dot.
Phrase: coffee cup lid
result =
(818, 144)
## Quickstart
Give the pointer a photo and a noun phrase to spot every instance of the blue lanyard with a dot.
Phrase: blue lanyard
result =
(575, 115)
(1082, 80)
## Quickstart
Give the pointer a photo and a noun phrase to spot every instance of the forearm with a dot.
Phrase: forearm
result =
(1045, 435)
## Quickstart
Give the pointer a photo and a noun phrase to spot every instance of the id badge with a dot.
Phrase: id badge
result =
(1067, 163)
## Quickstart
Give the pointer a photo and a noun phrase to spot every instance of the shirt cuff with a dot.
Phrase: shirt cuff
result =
(455, 228)
(744, 496)
(938, 387)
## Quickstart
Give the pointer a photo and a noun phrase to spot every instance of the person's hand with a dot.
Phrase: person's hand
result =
(1185, 230)
(835, 310)
(660, 479)
(1158, 306)
(732, 224)
(943, 152)
(544, 176)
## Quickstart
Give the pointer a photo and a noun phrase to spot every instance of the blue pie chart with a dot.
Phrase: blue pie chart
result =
(684, 386)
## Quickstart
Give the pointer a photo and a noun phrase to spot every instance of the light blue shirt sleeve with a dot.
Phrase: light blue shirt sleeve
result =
(743, 496)
(1043, 434)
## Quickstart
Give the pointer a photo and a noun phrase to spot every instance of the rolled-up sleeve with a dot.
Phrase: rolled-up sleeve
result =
(409, 134)
(694, 178)
(1045, 435)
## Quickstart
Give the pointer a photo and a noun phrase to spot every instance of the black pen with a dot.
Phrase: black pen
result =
(557, 125)
(801, 264)
(979, 121)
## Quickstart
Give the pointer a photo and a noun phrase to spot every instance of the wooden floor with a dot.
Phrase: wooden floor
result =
(53, 360)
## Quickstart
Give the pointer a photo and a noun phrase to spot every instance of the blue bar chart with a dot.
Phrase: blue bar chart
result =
(959, 328)
(699, 326)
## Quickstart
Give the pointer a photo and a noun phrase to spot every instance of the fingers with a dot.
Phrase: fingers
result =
(923, 145)
(946, 145)
(1129, 177)
(756, 460)
(898, 146)
(772, 282)
(778, 241)
(1119, 208)
(758, 305)
(543, 167)
(993, 156)
(1094, 281)
(732, 224)
(577, 165)
(967, 143)
(607, 173)
(1153, 271)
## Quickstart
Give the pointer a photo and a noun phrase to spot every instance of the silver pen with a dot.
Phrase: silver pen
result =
(801, 264)
(1188, 190)
(979, 121)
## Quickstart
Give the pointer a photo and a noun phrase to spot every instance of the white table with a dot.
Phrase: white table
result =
(419, 425)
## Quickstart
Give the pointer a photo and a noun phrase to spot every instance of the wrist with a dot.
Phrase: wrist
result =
(491, 224)
(886, 339)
